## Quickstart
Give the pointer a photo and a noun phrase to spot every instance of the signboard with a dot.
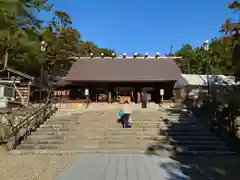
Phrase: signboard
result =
(161, 92)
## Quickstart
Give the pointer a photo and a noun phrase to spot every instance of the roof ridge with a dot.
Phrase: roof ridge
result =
(127, 57)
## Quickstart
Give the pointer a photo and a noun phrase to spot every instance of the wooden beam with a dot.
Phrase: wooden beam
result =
(29, 91)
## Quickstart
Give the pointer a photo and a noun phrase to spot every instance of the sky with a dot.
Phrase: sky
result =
(129, 26)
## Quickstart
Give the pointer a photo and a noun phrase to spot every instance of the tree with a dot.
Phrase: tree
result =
(219, 59)
(19, 29)
(231, 38)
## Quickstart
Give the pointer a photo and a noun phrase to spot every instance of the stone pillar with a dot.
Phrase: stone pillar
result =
(109, 97)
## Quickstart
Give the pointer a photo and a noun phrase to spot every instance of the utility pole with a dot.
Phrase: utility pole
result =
(43, 47)
(206, 48)
(171, 50)
(6, 59)
(188, 65)
(6, 51)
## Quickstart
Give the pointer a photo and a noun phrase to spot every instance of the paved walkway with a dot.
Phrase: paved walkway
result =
(122, 167)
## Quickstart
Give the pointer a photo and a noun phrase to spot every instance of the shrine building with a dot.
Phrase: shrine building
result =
(111, 78)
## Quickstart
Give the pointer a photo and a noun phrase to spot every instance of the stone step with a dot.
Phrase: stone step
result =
(190, 147)
(67, 111)
(90, 123)
(80, 146)
(131, 131)
(184, 145)
(55, 133)
(205, 148)
(51, 129)
(189, 142)
(89, 142)
(45, 137)
(194, 138)
(44, 141)
(73, 129)
(197, 133)
(181, 124)
(56, 125)
(97, 130)
(184, 122)
(117, 129)
(74, 151)
(99, 133)
(63, 119)
(119, 146)
(72, 122)
(150, 125)
(205, 153)
(183, 128)
(43, 147)
(117, 151)
(89, 138)
(180, 127)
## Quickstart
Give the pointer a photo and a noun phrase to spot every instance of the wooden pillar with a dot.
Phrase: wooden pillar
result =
(109, 97)
(68, 94)
(138, 95)
(29, 91)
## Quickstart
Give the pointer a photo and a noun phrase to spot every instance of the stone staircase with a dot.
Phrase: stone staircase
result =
(89, 131)
(188, 135)
(70, 131)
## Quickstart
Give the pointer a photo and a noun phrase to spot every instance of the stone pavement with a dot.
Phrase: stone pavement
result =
(122, 167)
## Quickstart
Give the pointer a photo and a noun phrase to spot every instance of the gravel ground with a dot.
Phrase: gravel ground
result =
(31, 167)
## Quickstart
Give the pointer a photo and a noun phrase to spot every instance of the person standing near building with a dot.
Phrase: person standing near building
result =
(87, 96)
(144, 99)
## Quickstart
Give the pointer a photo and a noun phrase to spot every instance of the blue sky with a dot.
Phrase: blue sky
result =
(146, 25)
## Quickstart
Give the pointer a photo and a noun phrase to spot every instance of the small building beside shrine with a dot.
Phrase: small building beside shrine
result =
(197, 85)
(111, 78)
(19, 89)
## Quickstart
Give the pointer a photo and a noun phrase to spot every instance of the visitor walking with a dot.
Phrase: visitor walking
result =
(144, 99)
(87, 97)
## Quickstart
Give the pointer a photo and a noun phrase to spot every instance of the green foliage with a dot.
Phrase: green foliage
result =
(21, 32)
(219, 58)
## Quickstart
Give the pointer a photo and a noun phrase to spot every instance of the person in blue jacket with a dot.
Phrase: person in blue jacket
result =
(121, 116)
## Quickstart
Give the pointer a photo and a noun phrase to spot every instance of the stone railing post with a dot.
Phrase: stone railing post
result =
(237, 125)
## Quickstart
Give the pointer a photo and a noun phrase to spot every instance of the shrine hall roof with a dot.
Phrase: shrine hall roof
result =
(127, 69)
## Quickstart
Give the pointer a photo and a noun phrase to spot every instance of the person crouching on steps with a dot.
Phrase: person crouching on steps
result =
(127, 112)
(121, 117)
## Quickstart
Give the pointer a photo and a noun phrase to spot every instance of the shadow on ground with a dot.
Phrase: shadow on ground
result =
(204, 167)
